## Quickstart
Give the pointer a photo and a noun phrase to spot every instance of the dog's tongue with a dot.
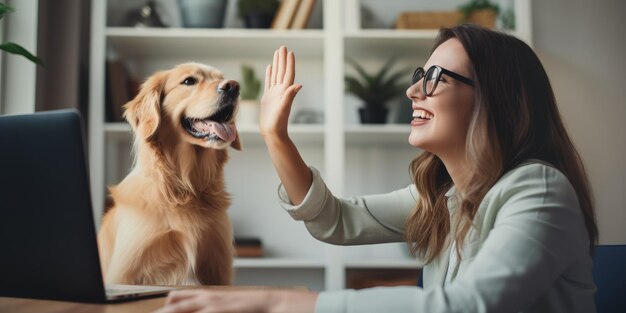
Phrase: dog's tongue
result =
(226, 132)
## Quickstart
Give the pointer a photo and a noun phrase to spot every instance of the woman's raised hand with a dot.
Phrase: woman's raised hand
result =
(278, 94)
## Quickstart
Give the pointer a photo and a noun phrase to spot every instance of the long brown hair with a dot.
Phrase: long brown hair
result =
(515, 118)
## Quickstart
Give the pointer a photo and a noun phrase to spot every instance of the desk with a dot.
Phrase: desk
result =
(19, 305)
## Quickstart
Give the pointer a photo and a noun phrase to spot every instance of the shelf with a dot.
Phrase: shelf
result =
(385, 134)
(426, 34)
(300, 133)
(118, 127)
(308, 263)
(392, 42)
(277, 263)
(174, 42)
(347, 152)
(391, 264)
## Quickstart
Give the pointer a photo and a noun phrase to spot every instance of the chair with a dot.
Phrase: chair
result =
(609, 274)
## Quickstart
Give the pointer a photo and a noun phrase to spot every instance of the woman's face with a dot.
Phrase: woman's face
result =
(447, 112)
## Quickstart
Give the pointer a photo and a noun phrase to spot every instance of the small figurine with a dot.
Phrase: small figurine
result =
(145, 16)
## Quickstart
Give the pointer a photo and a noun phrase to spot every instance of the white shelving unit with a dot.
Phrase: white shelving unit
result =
(353, 158)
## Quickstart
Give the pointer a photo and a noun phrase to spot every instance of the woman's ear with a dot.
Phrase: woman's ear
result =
(144, 111)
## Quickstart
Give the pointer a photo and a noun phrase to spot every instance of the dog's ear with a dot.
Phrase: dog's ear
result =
(236, 144)
(144, 111)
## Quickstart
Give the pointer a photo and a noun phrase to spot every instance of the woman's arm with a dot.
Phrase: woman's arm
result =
(276, 102)
(365, 219)
(369, 219)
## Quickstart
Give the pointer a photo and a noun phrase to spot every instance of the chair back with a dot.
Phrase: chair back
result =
(609, 274)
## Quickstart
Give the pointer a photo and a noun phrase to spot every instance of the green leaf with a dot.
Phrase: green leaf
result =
(355, 87)
(478, 5)
(251, 85)
(384, 69)
(17, 49)
(392, 81)
(5, 9)
(376, 90)
(367, 77)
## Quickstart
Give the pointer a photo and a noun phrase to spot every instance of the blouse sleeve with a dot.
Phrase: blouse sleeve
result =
(538, 234)
(359, 220)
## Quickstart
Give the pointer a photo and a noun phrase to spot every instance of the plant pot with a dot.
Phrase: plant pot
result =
(485, 18)
(203, 13)
(373, 115)
(248, 112)
(258, 20)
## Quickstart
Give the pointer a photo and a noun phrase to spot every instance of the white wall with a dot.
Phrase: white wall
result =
(583, 48)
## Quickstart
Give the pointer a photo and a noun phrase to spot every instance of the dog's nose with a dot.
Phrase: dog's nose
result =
(229, 87)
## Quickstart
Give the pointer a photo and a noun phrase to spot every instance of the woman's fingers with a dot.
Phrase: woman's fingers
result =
(177, 295)
(274, 68)
(282, 59)
(282, 70)
(268, 77)
(290, 94)
(290, 70)
(184, 306)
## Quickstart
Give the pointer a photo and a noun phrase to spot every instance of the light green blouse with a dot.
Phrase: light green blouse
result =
(528, 251)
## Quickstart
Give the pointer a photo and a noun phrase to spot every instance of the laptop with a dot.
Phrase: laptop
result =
(48, 246)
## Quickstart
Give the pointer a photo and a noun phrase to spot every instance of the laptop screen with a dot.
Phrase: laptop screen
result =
(48, 246)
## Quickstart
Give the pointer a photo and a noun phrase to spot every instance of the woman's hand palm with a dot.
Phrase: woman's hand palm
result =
(278, 94)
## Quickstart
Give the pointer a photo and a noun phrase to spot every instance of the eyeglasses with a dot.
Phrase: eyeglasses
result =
(432, 77)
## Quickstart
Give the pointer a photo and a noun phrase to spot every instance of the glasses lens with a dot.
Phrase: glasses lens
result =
(417, 75)
(431, 80)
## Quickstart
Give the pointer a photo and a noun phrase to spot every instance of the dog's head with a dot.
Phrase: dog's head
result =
(192, 101)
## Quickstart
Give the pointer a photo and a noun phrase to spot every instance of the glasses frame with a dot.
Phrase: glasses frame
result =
(419, 74)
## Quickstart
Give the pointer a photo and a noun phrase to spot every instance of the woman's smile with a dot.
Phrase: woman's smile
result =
(421, 117)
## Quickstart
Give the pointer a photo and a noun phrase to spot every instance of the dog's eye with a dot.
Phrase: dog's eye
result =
(189, 81)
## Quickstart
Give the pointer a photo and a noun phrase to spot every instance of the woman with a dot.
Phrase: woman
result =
(500, 211)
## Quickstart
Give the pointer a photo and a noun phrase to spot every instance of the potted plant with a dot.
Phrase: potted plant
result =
(14, 48)
(375, 90)
(203, 13)
(250, 90)
(257, 13)
(481, 12)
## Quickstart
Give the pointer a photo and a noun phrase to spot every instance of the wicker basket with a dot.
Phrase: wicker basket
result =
(438, 19)
(485, 18)
(428, 20)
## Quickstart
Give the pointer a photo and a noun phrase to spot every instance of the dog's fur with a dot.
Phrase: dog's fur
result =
(168, 224)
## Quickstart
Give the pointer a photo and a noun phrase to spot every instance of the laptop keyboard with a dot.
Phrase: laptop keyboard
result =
(122, 289)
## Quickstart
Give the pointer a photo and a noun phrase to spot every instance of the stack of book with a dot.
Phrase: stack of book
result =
(248, 247)
(293, 14)
(120, 88)
(368, 278)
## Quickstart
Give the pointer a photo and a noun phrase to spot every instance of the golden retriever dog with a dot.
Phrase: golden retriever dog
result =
(168, 224)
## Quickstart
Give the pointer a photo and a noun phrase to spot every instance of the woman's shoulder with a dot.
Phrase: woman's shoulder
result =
(533, 170)
(533, 179)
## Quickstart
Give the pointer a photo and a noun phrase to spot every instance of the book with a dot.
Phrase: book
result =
(248, 247)
(118, 89)
(303, 14)
(286, 13)
(248, 252)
